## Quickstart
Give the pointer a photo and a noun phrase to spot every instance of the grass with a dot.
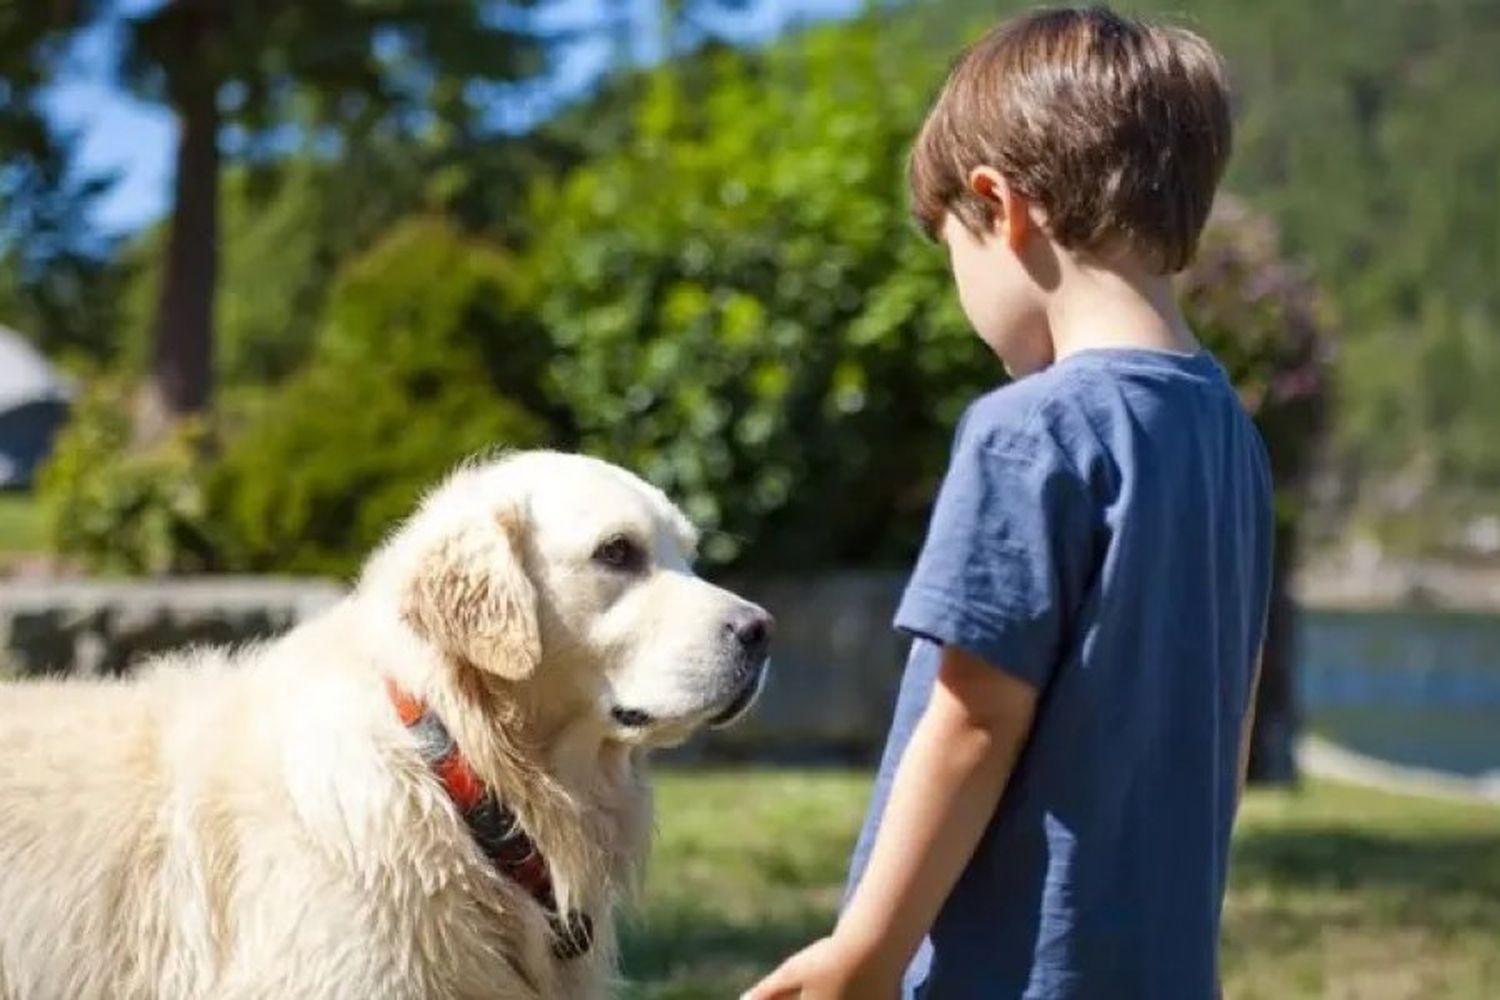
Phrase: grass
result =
(1335, 892)
(1339, 892)
(748, 866)
(20, 525)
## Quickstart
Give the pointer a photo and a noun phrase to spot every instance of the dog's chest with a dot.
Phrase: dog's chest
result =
(491, 930)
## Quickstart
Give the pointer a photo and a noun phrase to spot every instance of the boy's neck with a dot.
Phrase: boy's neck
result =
(1096, 306)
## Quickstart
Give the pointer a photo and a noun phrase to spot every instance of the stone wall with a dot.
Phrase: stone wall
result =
(835, 660)
(835, 666)
(1368, 582)
(94, 628)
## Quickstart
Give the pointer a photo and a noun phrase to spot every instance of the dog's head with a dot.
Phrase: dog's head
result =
(573, 575)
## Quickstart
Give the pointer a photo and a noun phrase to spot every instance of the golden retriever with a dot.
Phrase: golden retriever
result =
(298, 819)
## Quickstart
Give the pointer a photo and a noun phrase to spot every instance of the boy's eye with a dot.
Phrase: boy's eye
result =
(620, 552)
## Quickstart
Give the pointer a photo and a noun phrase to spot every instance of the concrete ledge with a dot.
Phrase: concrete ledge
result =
(1322, 759)
(836, 662)
(1346, 585)
(835, 668)
(101, 628)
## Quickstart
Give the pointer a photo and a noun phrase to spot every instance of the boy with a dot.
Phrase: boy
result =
(1052, 815)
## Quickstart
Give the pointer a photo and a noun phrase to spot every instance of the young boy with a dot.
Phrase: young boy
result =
(1052, 815)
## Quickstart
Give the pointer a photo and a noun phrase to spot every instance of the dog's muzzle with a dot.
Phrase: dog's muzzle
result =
(751, 680)
(754, 680)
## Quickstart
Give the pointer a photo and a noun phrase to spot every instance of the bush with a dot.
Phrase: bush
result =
(1261, 317)
(422, 334)
(731, 301)
(122, 508)
(743, 312)
(316, 484)
(426, 339)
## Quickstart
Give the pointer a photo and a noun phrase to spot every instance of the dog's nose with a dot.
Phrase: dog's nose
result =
(751, 628)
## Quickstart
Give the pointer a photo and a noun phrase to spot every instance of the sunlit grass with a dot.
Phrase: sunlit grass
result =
(1336, 892)
(20, 524)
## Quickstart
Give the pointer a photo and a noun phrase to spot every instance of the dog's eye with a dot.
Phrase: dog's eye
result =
(620, 552)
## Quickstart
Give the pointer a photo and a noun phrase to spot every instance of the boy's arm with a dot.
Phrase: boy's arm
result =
(946, 789)
(945, 793)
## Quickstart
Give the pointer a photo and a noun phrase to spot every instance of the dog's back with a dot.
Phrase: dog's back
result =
(236, 828)
(91, 903)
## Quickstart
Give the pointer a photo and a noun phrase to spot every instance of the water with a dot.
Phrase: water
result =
(1414, 688)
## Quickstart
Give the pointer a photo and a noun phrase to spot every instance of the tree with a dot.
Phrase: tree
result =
(247, 80)
(251, 80)
(53, 281)
(332, 70)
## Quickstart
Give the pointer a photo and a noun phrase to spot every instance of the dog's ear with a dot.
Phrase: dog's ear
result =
(471, 597)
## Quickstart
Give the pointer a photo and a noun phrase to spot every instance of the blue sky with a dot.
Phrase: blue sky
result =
(135, 140)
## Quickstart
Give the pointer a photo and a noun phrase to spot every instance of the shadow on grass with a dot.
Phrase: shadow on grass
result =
(1336, 857)
(694, 951)
(1327, 911)
(1343, 856)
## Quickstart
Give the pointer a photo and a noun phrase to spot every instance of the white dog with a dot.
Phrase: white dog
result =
(433, 790)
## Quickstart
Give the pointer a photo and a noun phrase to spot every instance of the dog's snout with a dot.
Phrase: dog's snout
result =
(751, 628)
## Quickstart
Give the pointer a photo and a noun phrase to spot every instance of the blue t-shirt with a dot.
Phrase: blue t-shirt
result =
(1104, 533)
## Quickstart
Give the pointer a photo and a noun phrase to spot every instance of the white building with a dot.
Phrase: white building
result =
(34, 401)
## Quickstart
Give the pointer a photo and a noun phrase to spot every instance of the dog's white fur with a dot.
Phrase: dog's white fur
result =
(258, 824)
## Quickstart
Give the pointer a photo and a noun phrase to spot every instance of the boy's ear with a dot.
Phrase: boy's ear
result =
(1011, 209)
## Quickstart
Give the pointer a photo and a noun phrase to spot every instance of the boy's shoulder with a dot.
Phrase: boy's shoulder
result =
(1046, 408)
(1076, 412)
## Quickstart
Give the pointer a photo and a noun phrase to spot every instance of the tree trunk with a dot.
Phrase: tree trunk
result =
(182, 354)
(1273, 740)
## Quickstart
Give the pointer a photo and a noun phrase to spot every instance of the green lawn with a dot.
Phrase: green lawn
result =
(20, 525)
(1336, 892)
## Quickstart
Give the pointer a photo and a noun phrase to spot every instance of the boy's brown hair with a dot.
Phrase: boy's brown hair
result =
(1118, 130)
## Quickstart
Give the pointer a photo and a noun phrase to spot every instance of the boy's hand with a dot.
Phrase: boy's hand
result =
(947, 787)
(827, 970)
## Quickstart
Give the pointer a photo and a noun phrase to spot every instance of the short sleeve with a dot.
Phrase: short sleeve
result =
(1007, 555)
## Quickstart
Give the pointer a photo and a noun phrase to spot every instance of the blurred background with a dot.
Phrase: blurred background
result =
(267, 269)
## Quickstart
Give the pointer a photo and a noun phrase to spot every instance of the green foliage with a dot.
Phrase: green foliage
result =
(1370, 134)
(423, 337)
(54, 284)
(246, 76)
(1262, 318)
(286, 241)
(727, 297)
(119, 508)
(744, 313)
(285, 234)
(316, 483)
(20, 525)
(1377, 153)
(288, 229)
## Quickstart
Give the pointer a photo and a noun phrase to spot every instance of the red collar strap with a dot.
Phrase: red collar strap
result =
(495, 828)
